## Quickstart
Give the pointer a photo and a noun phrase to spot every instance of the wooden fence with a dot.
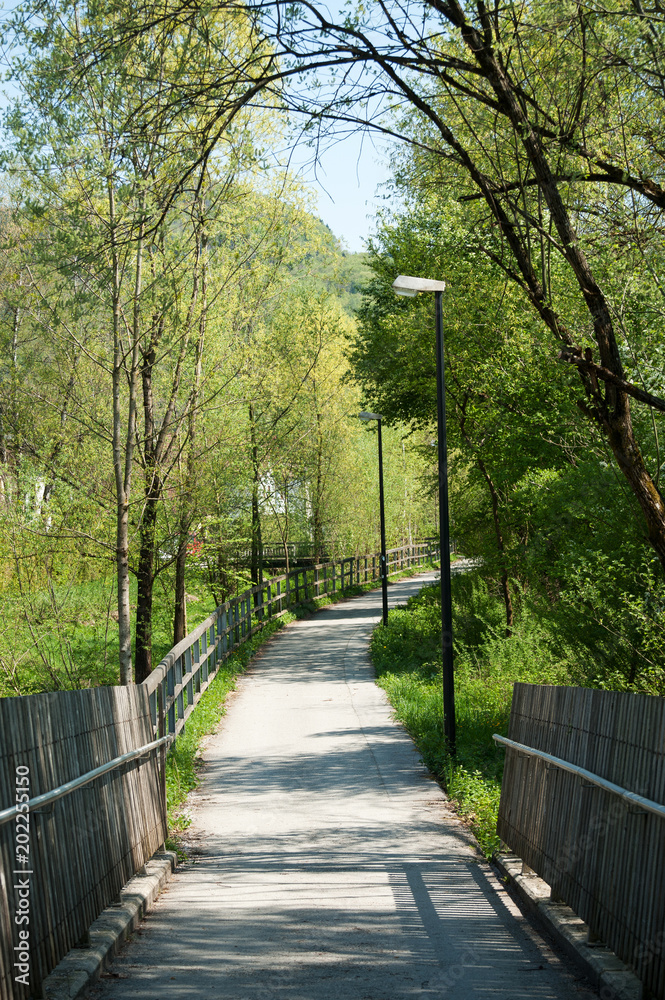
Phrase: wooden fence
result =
(64, 861)
(178, 681)
(601, 854)
(62, 864)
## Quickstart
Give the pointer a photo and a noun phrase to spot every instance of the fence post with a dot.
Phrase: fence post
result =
(189, 670)
(170, 677)
(225, 637)
(202, 672)
(214, 644)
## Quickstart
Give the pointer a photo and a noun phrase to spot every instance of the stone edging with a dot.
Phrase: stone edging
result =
(612, 978)
(82, 966)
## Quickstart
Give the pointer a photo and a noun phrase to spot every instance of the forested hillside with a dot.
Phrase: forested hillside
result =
(174, 389)
(182, 357)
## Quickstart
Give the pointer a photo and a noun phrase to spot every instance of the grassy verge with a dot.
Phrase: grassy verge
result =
(65, 635)
(181, 761)
(407, 659)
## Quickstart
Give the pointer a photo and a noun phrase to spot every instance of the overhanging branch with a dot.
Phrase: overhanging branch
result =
(573, 355)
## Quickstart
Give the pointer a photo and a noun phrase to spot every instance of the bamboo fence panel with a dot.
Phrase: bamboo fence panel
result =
(602, 857)
(84, 847)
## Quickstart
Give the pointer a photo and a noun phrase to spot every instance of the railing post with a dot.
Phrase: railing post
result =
(170, 688)
(317, 586)
(222, 637)
(153, 702)
(279, 596)
(179, 674)
(202, 672)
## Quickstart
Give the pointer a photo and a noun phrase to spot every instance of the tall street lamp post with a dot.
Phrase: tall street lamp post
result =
(384, 567)
(406, 285)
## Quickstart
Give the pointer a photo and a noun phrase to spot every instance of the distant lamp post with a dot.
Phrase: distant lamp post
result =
(406, 285)
(384, 566)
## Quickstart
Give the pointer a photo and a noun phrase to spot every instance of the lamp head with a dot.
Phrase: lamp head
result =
(404, 284)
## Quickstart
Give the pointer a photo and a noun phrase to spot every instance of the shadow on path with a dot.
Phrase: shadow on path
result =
(327, 864)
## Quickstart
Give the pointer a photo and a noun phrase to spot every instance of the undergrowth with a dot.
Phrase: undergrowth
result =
(407, 658)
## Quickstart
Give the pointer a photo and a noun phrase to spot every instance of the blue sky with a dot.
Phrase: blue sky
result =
(348, 181)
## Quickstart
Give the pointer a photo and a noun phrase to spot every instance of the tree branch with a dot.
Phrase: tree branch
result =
(573, 355)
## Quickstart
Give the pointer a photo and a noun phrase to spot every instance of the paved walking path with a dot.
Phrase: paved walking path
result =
(328, 863)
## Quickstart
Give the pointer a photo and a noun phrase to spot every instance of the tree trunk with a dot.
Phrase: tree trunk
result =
(610, 407)
(199, 292)
(318, 520)
(145, 581)
(505, 588)
(180, 604)
(123, 444)
(257, 540)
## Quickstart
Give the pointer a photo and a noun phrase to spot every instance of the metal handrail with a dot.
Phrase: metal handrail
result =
(632, 798)
(46, 798)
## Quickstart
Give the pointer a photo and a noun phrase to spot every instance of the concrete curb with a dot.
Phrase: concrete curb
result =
(82, 966)
(612, 978)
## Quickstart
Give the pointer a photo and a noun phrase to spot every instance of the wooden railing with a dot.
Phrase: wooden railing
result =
(582, 803)
(178, 681)
(82, 779)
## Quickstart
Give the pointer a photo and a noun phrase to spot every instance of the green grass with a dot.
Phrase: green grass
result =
(407, 659)
(64, 635)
